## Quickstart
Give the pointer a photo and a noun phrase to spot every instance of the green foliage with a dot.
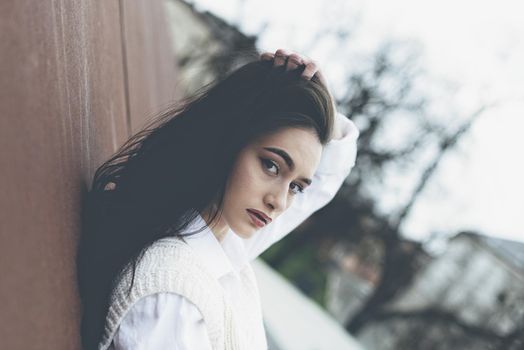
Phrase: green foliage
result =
(302, 268)
(275, 250)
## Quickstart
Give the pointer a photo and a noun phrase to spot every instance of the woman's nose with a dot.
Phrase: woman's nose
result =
(277, 199)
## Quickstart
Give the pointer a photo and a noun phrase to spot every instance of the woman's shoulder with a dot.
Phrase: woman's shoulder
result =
(167, 258)
(161, 253)
(170, 265)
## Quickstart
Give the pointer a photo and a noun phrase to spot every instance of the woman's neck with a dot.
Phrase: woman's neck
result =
(219, 228)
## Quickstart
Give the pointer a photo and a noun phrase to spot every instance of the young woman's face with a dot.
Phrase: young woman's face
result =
(263, 180)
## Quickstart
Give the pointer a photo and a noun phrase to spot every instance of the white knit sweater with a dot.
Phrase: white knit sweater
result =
(170, 265)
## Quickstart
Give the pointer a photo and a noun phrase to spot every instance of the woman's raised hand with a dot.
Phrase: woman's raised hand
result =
(293, 60)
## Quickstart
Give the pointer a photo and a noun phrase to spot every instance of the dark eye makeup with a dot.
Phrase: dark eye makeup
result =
(268, 163)
(287, 158)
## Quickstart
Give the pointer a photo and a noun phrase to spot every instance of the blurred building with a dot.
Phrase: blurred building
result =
(471, 296)
(481, 278)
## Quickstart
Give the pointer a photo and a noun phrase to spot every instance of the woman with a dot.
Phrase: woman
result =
(173, 220)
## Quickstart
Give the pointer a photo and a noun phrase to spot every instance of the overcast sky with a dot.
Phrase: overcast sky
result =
(476, 45)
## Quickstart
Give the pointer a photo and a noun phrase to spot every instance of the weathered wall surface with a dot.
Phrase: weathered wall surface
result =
(77, 78)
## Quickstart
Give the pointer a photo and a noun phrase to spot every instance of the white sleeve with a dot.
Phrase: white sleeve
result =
(337, 160)
(162, 321)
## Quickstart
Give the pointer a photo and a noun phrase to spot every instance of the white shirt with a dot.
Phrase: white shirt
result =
(170, 321)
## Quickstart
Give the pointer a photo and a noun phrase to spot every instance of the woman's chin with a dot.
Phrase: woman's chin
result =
(245, 232)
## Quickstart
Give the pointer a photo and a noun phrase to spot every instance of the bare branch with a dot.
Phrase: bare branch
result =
(445, 145)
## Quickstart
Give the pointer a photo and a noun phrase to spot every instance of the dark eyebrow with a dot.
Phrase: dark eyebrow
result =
(288, 160)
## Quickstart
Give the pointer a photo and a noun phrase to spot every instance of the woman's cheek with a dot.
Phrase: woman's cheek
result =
(255, 173)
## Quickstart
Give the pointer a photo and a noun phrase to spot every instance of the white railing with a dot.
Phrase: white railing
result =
(293, 321)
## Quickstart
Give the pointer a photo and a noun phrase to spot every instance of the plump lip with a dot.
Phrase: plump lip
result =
(257, 220)
(266, 218)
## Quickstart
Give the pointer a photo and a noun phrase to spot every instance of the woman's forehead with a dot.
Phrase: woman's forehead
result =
(288, 135)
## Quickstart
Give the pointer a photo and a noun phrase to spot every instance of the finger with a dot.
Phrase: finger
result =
(268, 56)
(293, 61)
(310, 70)
(280, 57)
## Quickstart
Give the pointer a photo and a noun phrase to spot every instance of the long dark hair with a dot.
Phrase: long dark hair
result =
(165, 175)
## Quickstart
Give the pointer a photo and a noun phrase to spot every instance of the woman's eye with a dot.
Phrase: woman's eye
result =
(268, 164)
(300, 188)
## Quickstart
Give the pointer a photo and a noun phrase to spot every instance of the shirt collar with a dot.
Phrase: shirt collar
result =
(221, 258)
